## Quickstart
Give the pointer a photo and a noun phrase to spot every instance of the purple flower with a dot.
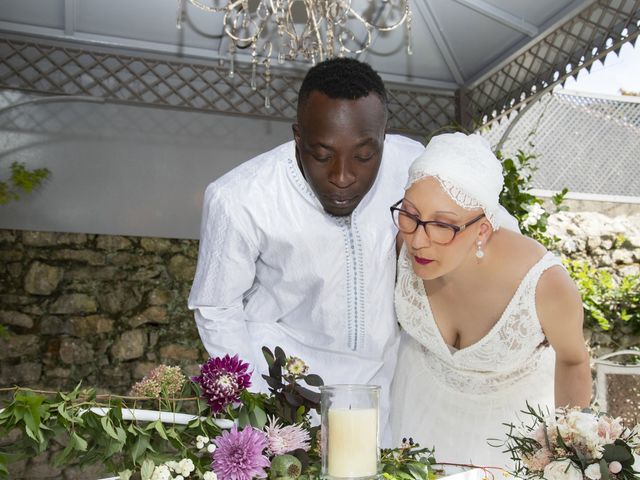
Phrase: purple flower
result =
(238, 455)
(222, 379)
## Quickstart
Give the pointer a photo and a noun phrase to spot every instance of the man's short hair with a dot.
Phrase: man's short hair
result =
(342, 78)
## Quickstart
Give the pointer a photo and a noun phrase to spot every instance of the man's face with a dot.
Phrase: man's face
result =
(339, 148)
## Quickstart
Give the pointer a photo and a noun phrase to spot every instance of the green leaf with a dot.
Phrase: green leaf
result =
(125, 474)
(146, 471)
(80, 443)
(258, 418)
(314, 380)
(107, 425)
(141, 446)
(243, 418)
(160, 429)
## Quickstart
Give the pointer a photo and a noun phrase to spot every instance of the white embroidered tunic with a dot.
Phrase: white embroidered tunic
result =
(275, 269)
(457, 399)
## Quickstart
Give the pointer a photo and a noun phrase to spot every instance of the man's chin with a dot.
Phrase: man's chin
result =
(339, 211)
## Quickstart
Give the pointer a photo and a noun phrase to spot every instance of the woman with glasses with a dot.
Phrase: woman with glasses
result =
(491, 320)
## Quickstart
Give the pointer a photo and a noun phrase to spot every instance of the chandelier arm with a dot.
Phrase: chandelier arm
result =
(316, 28)
(207, 8)
(383, 28)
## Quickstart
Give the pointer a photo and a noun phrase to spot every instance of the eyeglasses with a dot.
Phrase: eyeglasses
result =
(438, 232)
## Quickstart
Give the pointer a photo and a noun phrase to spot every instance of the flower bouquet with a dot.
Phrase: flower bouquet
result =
(573, 444)
(210, 427)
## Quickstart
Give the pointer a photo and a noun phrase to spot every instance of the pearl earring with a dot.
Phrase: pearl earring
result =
(479, 251)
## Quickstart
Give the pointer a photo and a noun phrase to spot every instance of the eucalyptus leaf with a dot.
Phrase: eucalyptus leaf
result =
(125, 474)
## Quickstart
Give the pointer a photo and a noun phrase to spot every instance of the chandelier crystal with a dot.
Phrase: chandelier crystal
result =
(311, 30)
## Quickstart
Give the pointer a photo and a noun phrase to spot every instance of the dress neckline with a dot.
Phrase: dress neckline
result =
(450, 349)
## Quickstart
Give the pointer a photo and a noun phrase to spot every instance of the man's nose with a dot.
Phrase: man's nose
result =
(340, 173)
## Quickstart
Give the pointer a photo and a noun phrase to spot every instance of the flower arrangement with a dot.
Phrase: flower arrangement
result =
(230, 434)
(573, 444)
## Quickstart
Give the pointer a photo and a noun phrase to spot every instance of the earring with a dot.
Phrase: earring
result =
(479, 251)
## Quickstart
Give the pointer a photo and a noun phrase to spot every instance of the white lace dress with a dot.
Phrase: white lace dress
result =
(457, 399)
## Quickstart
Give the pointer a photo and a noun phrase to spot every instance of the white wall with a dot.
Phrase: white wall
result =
(122, 169)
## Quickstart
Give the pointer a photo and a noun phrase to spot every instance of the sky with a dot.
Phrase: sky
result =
(618, 71)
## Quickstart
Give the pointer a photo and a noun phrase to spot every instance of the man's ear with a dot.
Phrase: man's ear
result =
(296, 132)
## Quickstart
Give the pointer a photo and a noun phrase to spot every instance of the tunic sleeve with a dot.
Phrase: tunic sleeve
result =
(225, 273)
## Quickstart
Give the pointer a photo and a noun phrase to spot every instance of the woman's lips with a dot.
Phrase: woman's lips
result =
(423, 261)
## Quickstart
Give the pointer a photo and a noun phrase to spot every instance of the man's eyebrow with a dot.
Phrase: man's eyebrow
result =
(362, 143)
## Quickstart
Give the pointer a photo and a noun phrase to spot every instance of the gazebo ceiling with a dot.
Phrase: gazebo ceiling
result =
(473, 60)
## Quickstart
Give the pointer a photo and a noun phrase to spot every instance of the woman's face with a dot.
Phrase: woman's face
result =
(429, 202)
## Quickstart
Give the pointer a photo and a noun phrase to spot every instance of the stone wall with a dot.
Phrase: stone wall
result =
(104, 309)
(107, 309)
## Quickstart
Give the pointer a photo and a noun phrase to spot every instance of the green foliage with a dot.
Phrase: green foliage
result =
(92, 429)
(22, 181)
(91, 437)
(608, 303)
(520, 203)
(409, 462)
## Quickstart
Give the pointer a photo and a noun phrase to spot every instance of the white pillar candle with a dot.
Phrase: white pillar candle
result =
(353, 442)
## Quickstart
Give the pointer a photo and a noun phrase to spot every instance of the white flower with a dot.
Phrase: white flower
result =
(171, 464)
(199, 445)
(593, 472)
(178, 477)
(186, 466)
(161, 472)
(210, 476)
(202, 438)
(562, 470)
(211, 448)
(535, 213)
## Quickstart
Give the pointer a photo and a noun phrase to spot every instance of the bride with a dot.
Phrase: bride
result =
(491, 320)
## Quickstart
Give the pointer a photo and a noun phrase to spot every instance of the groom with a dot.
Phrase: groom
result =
(297, 246)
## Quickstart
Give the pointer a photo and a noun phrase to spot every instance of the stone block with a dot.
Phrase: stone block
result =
(15, 269)
(153, 314)
(159, 296)
(7, 236)
(157, 245)
(130, 345)
(50, 239)
(10, 299)
(15, 346)
(16, 319)
(84, 256)
(145, 274)
(91, 325)
(42, 279)
(119, 298)
(622, 256)
(141, 369)
(75, 352)
(11, 255)
(75, 303)
(113, 243)
(23, 374)
(52, 325)
(126, 259)
(182, 268)
(94, 273)
(178, 352)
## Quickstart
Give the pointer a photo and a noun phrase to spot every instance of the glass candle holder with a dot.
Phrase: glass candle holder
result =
(350, 431)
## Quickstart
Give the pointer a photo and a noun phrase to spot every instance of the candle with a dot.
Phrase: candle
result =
(352, 442)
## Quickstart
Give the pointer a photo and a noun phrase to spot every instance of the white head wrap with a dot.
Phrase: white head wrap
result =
(468, 171)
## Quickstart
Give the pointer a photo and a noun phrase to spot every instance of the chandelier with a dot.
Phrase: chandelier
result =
(311, 30)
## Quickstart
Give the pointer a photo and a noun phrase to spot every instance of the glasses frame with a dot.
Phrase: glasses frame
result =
(421, 223)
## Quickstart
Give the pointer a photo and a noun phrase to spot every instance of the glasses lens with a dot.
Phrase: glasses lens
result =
(440, 232)
(405, 223)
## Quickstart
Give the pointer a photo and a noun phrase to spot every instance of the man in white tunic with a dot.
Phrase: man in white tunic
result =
(297, 247)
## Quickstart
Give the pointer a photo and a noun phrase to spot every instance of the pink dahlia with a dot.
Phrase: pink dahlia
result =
(281, 440)
(239, 456)
(222, 379)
